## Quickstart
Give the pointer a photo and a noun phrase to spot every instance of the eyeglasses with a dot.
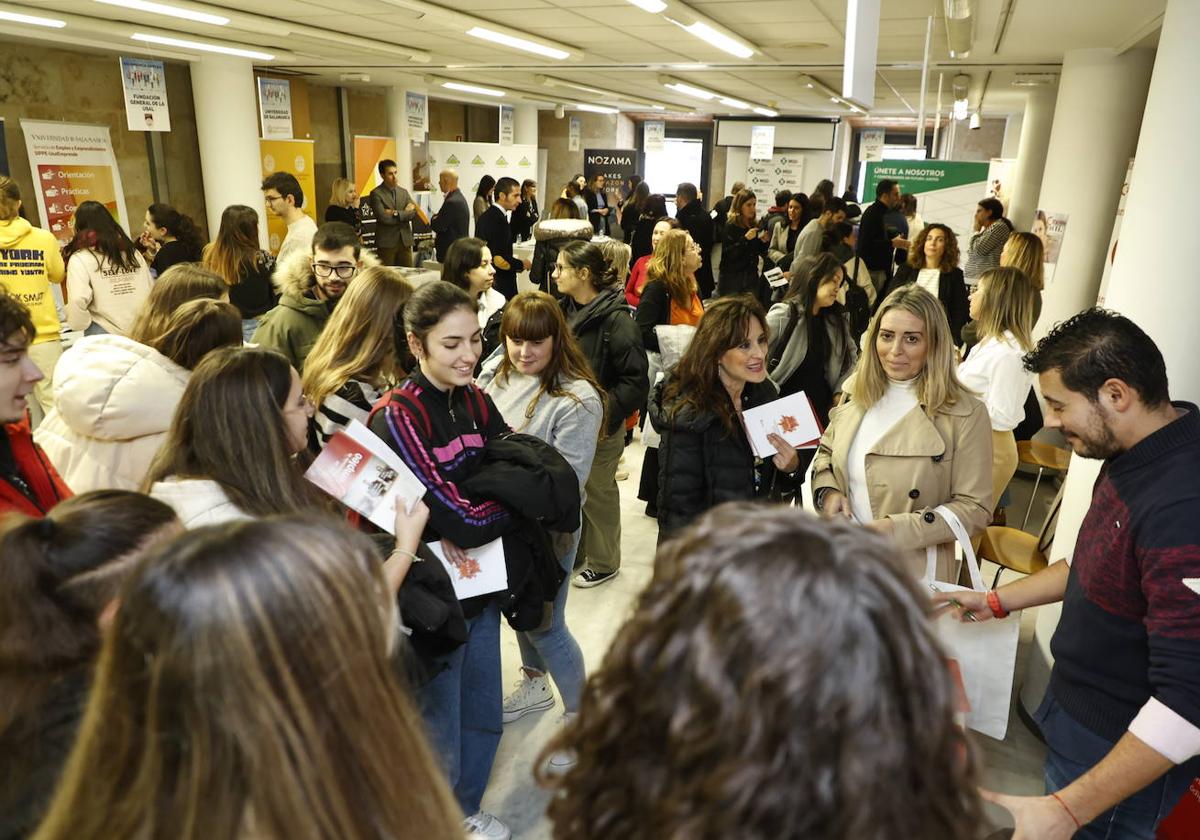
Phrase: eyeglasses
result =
(271, 199)
(344, 271)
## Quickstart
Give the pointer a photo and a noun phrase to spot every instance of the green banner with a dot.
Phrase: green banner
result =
(921, 176)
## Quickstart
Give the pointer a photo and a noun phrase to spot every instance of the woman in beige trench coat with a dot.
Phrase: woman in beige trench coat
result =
(910, 437)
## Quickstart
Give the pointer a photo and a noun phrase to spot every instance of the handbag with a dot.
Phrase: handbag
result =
(986, 652)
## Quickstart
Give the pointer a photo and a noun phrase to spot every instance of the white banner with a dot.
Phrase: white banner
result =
(870, 144)
(508, 115)
(654, 135)
(71, 164)
(573, 135)
(762, 142)
(474, 160)
(784, 171)
(416, 108)
(1116, 235)
(275, 108)
(145, 84)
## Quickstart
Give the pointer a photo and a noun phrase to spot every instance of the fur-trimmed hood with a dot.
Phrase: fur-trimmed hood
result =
(293, 275)
(548, 230)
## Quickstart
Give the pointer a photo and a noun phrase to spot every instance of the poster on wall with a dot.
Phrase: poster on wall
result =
(783, 171)
(1111, 256)
(145, 85)
(4, 170)
(474, 160)
(275, 107)
(1050, 227)
(762, 142)
(870, 144)
(416, 109)
(573, 132)
(368, 152)
(616, 165)
(654, 135)
(71, 164)
(946, 191)
(508, 115)
(296, 157)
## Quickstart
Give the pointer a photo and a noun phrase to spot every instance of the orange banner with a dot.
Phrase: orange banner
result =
(296, 157)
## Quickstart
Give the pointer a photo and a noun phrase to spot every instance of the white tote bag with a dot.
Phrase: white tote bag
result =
(986, 652)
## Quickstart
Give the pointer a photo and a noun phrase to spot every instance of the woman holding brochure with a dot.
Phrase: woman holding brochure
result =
(705, 457)
(909, 439)
(439, 422)
(543, 385)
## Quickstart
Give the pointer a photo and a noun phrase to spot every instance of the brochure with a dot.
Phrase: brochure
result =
(483, 573)
(363, 473)
(791, 417)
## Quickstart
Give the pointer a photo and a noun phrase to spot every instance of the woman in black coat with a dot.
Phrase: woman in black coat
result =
(933, 264)
(654, 209)
(705, 457)
(743, 245)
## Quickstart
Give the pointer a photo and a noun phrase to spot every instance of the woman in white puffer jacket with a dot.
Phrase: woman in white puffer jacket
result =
(114, 397)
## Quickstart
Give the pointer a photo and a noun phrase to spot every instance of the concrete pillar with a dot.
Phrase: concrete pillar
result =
(1012, 136)
(1031, 155)
(1096, 121)
(227, 131)
(525, 125)
(398, 128)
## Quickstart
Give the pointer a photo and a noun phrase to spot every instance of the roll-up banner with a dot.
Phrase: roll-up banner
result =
(296, 157)
(368, 152)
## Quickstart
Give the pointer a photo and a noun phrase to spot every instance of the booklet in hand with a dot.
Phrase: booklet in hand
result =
(483, 572)
(363, 473)
(791, 417)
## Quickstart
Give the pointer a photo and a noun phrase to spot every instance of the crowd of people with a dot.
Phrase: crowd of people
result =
(196, 641)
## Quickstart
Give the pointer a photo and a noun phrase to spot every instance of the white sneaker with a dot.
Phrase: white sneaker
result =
(531, 695)
(485, 826)
(561, 761)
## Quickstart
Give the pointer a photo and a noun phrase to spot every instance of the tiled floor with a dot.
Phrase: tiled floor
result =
(595, 615)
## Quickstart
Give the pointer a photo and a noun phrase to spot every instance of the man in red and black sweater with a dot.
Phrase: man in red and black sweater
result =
(28, 482)
(1122, 714)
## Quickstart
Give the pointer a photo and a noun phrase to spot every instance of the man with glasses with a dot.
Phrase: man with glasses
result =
(284, 199)
(311, 283)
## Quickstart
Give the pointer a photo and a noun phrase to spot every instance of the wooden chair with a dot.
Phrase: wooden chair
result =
(1045, 457)
(1011, 548)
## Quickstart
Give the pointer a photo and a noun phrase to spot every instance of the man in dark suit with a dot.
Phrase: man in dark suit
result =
(876, 245)
(493, 228)
(394, 211)
(689, 212)
(453, 221)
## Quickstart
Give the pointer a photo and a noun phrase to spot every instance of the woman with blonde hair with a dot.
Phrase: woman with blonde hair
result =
(1002, 305)
(544, 387)
(245, 267)
(212, 716)
(910, 438)
(360, 355)
(178, 284)
(344, 202)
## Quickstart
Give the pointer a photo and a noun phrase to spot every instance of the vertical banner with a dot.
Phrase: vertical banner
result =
(296, 157)
(616, 165)
(275, 107)
(999, 180)
(71, 164)
(416, 109)
(762, 142)
(145, 84)
(508, 116)
(1112, 240)
(654, 135)
(870, 144)
(368, 152)
(1050, 227)
(573, 131)
(4, 170)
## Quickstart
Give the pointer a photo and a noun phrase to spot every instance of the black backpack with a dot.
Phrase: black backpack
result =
(857, 304)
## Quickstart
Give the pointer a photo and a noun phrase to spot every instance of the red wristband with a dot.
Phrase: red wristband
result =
(993, 602)
(1074, 819)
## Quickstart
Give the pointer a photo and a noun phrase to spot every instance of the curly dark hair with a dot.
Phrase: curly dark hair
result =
(779, 677)
(950, 257)
(15, 317)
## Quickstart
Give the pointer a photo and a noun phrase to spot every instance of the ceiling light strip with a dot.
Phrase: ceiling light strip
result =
(170, 11)
(202, 46)
(516, 43)
(33, 20)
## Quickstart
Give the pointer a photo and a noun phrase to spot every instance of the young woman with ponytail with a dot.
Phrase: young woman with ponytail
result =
(169, 237)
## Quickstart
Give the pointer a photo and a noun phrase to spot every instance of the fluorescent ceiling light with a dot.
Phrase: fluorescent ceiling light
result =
(484, 91)
(200, 45)
(766, 112)
(690, 91)
(654, 6)
(735, 103)
(719, 40)
(32, 20)
(517, 43)
(170, 11)
(595, 109)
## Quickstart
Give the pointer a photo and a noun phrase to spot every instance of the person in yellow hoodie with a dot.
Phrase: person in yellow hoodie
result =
(30, 260)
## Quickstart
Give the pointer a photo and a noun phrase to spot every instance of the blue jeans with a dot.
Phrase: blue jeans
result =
(249, 325)
(95, 329)
(555, 650)
(462, 709)
(1074, 749)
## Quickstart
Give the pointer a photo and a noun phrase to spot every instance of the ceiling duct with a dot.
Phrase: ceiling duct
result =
(960, 26)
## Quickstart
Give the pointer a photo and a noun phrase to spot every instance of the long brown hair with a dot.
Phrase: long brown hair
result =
(667, 266)
(534, 316)
(696, 385)
(740, 200)
(235, 251)
(229, 428)
(359, 341)
(196, 329)
(950, 256)
(743, 698)
(59, 574)
(245, 690)
(177, 285)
